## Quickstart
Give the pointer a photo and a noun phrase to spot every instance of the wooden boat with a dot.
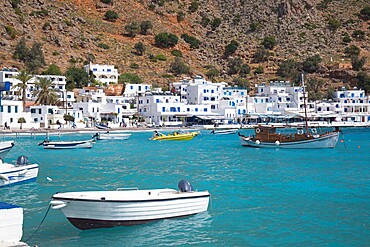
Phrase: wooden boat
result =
(267, 136)
(5, 147)
(112, 136)
(130, 206)
(223, 132)
(175, 136)
(21, 172)
(67, 144)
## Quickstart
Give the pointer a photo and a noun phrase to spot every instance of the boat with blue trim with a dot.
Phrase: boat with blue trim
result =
(21, 172)
(67, 144)
(129, 206)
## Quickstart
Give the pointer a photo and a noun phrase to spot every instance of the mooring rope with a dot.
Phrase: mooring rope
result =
(38, 227)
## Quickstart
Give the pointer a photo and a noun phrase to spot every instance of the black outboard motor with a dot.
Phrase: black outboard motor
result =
(22, 160)
(185, 186)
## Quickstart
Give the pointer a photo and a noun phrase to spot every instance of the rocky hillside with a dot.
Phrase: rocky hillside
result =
(73, 31)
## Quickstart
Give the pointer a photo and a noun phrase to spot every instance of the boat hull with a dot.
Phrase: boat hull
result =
(11, 174)
(177, 137)
(5, 147)
(324, 141)
(224, 132)
(68, 145)
(113, 136)
(119, 208)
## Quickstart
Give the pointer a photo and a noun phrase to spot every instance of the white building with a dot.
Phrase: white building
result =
(11, 111)
(233, 104)
(106, 74)
(134, 90)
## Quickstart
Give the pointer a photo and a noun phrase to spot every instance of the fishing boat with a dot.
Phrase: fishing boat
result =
(224, 131)
(305, 137)
(5, 147)
(129, 206)
(102, 126)
(20, 172)
(112, 136)
(67, 144)
(179, 135)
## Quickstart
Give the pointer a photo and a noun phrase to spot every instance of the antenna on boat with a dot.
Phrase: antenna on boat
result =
(305, 104)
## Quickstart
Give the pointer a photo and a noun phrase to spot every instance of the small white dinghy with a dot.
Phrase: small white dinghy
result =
(67, 144)
(112, 136)
(130, 206)
(21, 172)
(5, 147)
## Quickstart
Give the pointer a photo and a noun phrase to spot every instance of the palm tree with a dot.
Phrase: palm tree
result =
(46, 95)
(24, 77)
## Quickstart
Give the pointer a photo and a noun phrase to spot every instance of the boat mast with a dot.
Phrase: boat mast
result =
(305, 104)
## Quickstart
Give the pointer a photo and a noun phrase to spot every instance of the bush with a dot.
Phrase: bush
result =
(269, 42)
(130, 78)
(244, 70)
(334, 24)
(107, 1)
(104, 46)
(365, 13)
(358, 35)
(139, 48)
(11, 32)
(194, 5)
(212, 73)
(176, 53)
(346, 38)
(159, 57)
(204, 21)
(259, 70)
(352, 51)
(76, 77)
(254, 26)
(234, 65)
(178, 67)
(111, 15)
(132, 29)
(230, 48)
(358, 63)
(215, 23)
(166, 40)
(180, 16)
(15, 3)
(363, 81)
(52, 70)
(241, 82)
(261, 55)
(288, 69)
(311, 64)
(145, 26)
(134, 66)
(192, 41)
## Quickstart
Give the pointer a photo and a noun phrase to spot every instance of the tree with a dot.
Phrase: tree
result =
(365, 13)
(130, 78)
(21, 121)
(192, 41)
(363, 81)
(212, 73)
(358, 63)
(46, 95)
(178, 67)
(269, 42)
(132, 29)
(244, 70)
(52, 70)
(241, 82)
(215, 23)
(314, 89)
(166, 40)
(145, 26)
(68, 118)
(358, 35)
(352, 51)
(24, 77)
(234, 65)
(35, 59)
(288, 69)
(21, 50)
(76, 77)
(193, 6)
(111, 15)
(261, 55)
(311, 64)
(180, 16)
(230, 48)
(259, 70)
(139, 48)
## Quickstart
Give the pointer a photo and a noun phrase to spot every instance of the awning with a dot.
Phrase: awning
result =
(210, 117)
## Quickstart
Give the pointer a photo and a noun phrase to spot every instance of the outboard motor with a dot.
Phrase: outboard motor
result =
(22, 160)
(185, 186)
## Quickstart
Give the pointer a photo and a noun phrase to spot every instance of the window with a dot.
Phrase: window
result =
(9, 109)
(172, 109)
(131, 87)
(1, 109)
(139, 88)
(16, 109)
(188, 109)
(204, 91)
(205, 110)
(95, 69)
(178, 109)
(212, 91)
(50, 111)
(163, 109)
(157, 101)
(196, 109)
(35, 120)
(109, 70)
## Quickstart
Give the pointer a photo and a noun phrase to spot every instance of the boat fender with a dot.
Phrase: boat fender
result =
(277, 143)
(22, 160)
(258, 130)
(258, 142)
(185, 186)
(300, 132)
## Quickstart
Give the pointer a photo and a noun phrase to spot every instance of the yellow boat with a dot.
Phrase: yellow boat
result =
(175, 136)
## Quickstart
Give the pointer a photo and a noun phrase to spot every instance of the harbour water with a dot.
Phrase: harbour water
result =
(260, 197)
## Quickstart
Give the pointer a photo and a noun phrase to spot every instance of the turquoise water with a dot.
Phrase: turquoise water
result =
(260, 197)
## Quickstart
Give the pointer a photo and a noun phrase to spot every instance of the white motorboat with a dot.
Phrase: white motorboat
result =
(112, 136)
(21, 172)
(223, 132)
(5, 147)
(67, 144)
(130, 206)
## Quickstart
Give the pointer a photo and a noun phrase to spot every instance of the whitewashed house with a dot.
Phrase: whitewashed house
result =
(106, 74)
(233, 104)
(135, 90)
(11, 111)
